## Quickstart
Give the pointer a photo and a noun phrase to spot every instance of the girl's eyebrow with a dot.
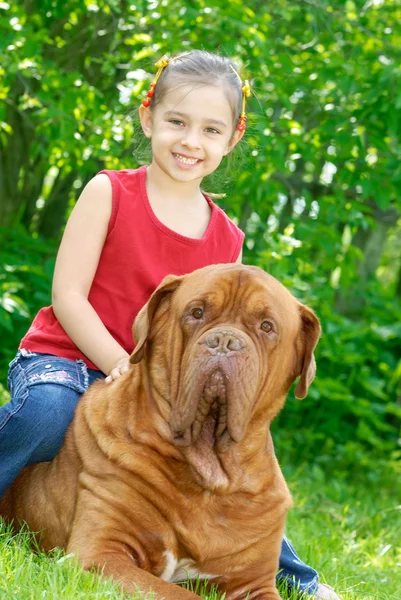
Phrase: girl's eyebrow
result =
(170, 113)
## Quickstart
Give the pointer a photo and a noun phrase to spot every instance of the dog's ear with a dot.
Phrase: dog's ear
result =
(310, 333)
(144, 318)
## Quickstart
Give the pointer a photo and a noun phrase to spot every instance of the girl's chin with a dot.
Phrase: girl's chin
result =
(178, 174)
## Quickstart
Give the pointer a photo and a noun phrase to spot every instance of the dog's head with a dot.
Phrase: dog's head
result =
(222, 346)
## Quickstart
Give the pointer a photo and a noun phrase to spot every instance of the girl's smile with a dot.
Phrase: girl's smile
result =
(185, 162)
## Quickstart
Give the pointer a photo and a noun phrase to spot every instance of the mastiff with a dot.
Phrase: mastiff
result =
(169, 473)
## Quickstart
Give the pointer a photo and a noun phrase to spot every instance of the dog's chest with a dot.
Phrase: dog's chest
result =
(176, 570)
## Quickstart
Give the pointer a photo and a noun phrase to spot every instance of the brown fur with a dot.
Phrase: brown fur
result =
(174, 461)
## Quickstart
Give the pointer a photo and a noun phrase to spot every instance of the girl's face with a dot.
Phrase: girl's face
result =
(191, 130)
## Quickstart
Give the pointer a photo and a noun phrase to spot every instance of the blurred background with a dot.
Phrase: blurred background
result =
(315, 185)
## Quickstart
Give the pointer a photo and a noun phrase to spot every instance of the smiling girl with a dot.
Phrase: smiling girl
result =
(128, 230)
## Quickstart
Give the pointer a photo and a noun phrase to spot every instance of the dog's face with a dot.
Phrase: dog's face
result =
(223, 346)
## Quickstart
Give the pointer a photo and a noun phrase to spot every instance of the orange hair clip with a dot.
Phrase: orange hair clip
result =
(246, 92)
(161, 64)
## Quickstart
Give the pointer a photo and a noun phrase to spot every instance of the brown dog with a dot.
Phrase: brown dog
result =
(170, 472)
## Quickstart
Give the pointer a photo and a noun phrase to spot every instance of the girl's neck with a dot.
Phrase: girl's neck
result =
(161, 184)
(180, 206)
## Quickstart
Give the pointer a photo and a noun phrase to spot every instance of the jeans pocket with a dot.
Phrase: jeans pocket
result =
(14, 368)
(48, 369)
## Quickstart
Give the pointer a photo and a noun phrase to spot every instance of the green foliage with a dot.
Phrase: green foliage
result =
(26, 268)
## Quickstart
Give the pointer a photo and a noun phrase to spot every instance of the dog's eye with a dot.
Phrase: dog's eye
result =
(197, 313)
(266, 326)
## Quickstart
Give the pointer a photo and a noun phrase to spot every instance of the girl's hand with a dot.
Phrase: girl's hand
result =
(122, 366)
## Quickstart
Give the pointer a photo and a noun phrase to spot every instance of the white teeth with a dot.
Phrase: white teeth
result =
(185, 160)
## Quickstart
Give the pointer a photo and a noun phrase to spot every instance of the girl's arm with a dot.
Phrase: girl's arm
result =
(76, 265)
(239, 259)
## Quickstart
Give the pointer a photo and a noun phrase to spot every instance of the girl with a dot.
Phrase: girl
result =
(127, 231)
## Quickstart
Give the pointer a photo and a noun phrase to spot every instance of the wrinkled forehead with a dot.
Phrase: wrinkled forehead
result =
(237, 288)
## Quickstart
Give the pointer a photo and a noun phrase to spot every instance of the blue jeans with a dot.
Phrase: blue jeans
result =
(44, 391)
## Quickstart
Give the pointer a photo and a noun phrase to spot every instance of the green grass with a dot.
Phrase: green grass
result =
(348, 531)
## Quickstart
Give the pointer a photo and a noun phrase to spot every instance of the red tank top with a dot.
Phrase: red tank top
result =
(138, 253)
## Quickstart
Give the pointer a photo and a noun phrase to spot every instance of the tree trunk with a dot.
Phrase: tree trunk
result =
(371, 243)
(51, 218)
(14, 156)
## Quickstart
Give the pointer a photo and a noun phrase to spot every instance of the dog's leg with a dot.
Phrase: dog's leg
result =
(122, 569)
(250, 586)
(252, 593)
(103, 545)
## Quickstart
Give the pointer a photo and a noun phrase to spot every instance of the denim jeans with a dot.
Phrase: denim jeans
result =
(296, 573)
(44, 391)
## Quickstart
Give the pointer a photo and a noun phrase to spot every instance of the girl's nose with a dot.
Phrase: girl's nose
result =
(191, 138)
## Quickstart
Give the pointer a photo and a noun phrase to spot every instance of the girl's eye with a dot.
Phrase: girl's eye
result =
(212, 130)
(197, 313)
(176, 122)
(266, 326)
